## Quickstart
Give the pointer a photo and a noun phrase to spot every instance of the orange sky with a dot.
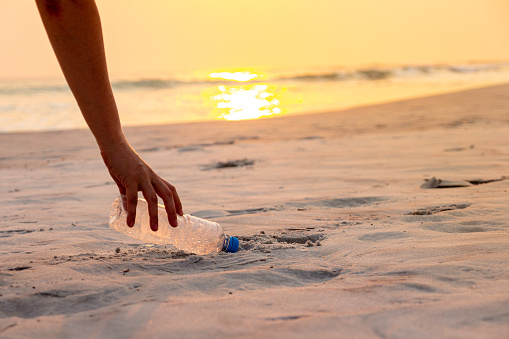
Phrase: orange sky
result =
(159, 36)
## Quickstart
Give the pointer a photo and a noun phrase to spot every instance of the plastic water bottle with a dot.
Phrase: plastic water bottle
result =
(192, 234)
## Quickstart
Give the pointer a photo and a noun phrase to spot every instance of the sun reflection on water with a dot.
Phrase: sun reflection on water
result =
(246, 101)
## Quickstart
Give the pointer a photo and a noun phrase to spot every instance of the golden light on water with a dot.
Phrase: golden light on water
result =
(234, 76)
(246, 101)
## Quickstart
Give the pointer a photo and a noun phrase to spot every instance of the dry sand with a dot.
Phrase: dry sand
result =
(338, 239)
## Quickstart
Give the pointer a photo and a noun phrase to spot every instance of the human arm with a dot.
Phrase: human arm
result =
(74, 30)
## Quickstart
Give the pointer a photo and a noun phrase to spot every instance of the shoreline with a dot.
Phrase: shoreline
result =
(347, 110)
(396, 116)
(54, 112)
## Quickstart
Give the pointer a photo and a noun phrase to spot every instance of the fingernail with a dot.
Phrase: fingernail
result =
(181, 212)
(174, 223)
(130, 222)
(154, 226)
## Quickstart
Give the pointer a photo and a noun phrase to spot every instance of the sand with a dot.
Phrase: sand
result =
(338, 239)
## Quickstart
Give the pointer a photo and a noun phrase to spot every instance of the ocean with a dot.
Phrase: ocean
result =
(47, 104)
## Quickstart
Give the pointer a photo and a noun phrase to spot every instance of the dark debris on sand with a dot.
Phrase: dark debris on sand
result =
(439, 183)
(230, 164)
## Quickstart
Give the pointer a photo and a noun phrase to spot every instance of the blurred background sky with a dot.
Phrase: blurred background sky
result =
(161, 36)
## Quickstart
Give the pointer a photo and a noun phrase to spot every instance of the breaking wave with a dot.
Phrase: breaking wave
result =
(368, 74)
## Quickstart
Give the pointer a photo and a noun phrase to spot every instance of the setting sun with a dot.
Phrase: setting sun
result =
(234, 76)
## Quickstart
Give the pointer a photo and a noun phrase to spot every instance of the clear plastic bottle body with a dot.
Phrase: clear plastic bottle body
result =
(193, 234)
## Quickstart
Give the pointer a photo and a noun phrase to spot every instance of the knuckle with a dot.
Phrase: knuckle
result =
(142, 170)
(168, 195)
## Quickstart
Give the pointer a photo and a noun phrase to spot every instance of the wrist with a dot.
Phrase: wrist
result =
(112, 141)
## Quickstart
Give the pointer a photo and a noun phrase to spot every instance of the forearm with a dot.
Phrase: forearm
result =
(74, 30)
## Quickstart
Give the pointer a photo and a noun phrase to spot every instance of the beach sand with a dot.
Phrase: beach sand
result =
(338, 239)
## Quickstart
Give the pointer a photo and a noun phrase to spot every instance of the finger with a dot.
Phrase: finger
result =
(121, 187)
(132, 201)
(121, 190)
(176, 199)
(165, 193)
(150, 195)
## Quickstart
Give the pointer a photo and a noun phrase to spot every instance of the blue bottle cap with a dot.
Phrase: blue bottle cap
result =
(233, 245)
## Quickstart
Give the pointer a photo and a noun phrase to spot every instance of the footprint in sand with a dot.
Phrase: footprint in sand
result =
(268, 243)
(301, 205)
(419, 287)
(472, 226)
(345, 202)
(438, 209)
(213, 213)
(56, 302)
(300, 238)
(380, 236)
(10, 233)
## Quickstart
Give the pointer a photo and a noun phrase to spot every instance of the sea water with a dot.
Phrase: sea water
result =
(47, 104)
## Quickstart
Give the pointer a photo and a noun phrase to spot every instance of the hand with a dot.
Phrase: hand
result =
(132, 174)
